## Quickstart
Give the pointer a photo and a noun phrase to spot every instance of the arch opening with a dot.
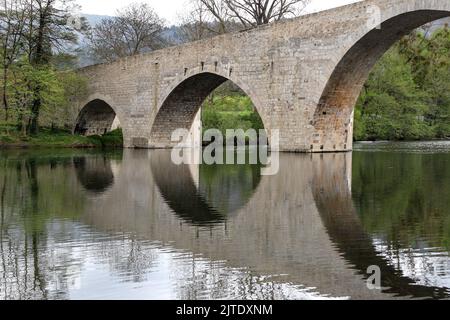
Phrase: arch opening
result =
(334, 116)
(96, 119)
(225, 105)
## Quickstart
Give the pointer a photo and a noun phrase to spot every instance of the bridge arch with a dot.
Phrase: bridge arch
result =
(97, 117)
(181, 103)
(333, 118)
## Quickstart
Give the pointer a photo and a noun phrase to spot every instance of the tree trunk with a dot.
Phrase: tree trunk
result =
(5, 97)
(34, 123)
(38, 60)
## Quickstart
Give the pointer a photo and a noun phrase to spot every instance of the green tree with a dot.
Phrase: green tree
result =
(54, 89)
(407, 94)
(391, 106)
(35, 35)
(48, 29)
(437, 82)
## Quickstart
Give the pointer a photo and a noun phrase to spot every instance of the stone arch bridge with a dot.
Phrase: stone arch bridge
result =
(303, 75)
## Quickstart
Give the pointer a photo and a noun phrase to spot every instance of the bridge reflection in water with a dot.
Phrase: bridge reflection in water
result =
(299, 225)
(86, 225)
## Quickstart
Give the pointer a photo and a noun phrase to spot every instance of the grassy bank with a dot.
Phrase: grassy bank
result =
(51, 138)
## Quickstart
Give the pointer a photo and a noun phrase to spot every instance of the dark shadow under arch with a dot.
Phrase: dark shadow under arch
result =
(96, 118)
(333, 116)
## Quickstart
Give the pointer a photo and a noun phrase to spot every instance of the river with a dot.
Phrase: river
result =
(132, 225)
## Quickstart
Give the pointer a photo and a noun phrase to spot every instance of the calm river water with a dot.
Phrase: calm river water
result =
(131, 225)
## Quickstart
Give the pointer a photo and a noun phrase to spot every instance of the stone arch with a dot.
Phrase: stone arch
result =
(97, 117)
(180, 105)
(333, 118)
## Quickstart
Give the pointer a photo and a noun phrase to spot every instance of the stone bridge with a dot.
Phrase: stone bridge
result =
(303, 75)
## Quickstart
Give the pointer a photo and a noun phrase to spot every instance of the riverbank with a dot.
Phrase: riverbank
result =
(51, 138)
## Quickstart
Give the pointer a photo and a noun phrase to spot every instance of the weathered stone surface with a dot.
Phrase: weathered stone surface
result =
(304, 75)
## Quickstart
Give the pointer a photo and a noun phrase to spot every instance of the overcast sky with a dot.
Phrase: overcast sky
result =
(171, 9)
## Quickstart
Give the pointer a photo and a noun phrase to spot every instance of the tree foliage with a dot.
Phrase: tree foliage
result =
(407, 96)
(34, 34)
(230, 110)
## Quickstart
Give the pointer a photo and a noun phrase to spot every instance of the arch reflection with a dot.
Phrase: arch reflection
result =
(203, 194)
(334, 201)
(94, 173)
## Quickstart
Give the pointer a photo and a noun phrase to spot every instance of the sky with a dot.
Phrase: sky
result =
(170, 10)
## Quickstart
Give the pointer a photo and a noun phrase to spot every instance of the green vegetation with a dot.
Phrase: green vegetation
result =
(113, 139)
(57, 138)
(38, 85)
(407, 96)
(54, 89)
(230, 110)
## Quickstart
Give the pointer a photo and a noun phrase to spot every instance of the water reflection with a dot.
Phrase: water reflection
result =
(133, 225)
(94, 173)
(407, 211)
(343, 224)
(204, 194)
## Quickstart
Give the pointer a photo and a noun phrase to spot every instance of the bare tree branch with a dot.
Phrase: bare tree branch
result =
(136, 29)
(252, 13)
